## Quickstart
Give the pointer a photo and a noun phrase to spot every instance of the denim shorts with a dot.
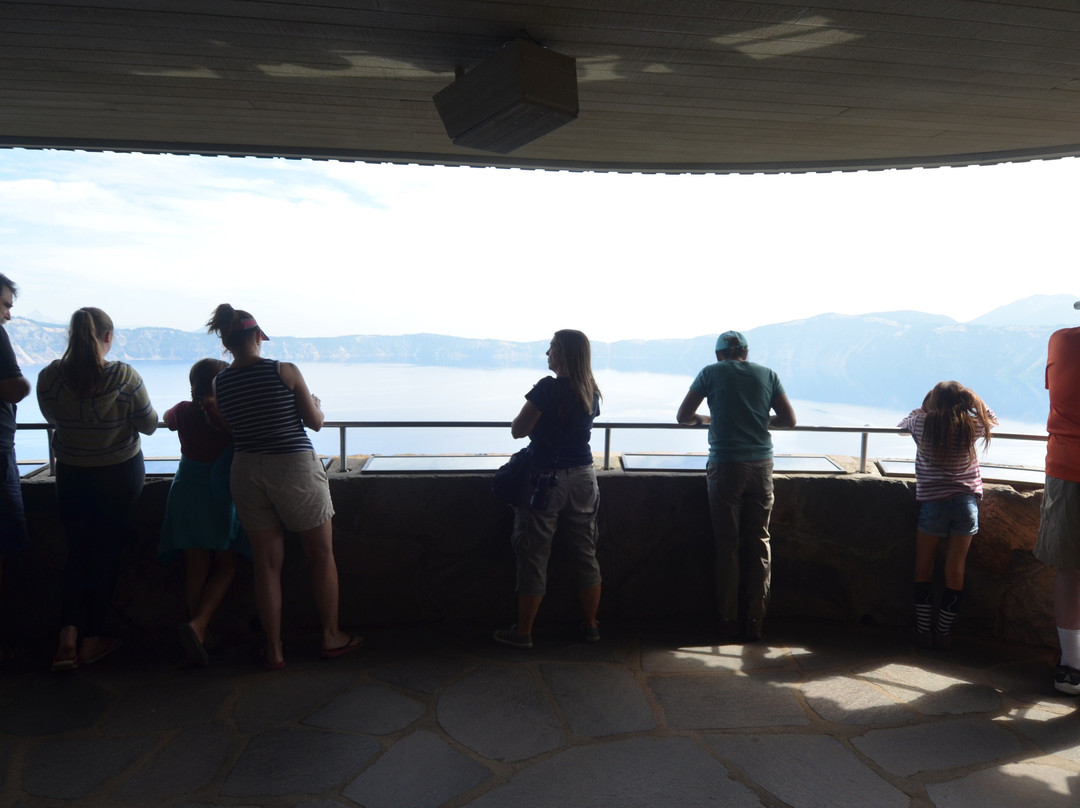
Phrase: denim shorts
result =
(957, 515)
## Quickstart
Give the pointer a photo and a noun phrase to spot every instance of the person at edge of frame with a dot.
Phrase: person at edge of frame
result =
(14, 387)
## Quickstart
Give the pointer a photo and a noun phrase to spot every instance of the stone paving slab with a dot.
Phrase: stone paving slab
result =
(938, 746)
(187, 763)
(604, 652)
(501, 714)
(73, 768)
(1054, 732)
(819, 647)
(728, 701)
(290, 761)
(1031, 682)
(733, 657)
(1031, 785)
(669, 772)
(934, 693)
(851, 700)
(598, 700)
(425, 674)
(371, 709)
(981, 654)
(157, 706)
(808, 771)
(274, 698)
(419, 771)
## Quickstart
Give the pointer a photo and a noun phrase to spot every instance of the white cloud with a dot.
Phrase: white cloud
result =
(331, 248)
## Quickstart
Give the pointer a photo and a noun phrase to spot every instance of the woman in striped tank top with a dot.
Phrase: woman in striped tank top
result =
(277, 480)
(948, 487)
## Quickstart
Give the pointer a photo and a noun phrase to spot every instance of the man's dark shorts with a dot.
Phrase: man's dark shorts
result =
(1059, 525)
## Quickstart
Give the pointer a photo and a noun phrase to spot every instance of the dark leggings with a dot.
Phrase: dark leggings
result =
(96, 506)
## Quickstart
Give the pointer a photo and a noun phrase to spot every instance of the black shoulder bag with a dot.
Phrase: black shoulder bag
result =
(510, 477)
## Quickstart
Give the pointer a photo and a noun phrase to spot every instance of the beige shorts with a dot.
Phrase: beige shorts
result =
(1059, 525)
(274, 490)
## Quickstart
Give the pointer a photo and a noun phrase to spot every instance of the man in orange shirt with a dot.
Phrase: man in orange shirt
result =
(1059, 526)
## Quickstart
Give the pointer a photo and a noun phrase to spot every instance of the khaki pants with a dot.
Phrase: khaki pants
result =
(740, 503)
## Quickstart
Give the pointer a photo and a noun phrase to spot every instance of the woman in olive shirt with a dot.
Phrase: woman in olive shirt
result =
(97, 410)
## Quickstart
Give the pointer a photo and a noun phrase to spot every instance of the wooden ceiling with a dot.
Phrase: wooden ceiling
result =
(664, 85)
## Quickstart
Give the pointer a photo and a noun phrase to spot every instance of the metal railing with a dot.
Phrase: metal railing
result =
(608, 427)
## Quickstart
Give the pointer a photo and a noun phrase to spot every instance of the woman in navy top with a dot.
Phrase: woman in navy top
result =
(277, 481)
(562, 493)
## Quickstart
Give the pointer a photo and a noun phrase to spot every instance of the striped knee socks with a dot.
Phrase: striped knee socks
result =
(924, 606)
(950, 605)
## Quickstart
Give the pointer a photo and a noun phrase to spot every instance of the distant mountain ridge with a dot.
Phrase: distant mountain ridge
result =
(878, 359)
(1037, 310)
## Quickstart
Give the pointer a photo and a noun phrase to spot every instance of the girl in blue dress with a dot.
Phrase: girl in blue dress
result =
(199, 516)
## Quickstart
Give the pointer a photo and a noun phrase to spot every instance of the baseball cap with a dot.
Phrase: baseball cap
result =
(730, 339)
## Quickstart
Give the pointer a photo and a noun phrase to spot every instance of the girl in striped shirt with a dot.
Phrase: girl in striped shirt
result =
(948, 486)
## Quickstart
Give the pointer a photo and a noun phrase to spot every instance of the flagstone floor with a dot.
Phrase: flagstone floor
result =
(653, 715)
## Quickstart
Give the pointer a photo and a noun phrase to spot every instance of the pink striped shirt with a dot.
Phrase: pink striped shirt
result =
(959, 475)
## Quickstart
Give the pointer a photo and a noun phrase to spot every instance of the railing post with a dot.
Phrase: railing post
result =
(341, 462)
(607, 448)
(863, 451)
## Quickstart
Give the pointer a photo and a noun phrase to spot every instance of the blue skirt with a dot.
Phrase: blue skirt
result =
(196, 518)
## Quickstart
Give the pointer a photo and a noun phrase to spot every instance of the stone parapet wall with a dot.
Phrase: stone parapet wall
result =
(415, 548)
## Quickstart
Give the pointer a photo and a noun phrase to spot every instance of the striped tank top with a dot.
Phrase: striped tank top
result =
(260, 410)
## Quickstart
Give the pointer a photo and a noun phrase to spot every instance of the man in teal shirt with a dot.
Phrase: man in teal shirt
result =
(745, 401)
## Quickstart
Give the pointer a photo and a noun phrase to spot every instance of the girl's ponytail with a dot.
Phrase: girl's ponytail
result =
(230, 325)
(82, 366)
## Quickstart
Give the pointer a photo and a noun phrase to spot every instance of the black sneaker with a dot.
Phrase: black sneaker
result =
(1067, 680)
(943, 640)
(923, 639)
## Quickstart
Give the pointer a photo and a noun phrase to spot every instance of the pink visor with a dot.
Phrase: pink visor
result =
(249, 323)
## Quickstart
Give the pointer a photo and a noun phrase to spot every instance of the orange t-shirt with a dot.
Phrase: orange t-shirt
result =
(1063, 382)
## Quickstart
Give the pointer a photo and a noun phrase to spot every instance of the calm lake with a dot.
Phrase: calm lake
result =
(384, 392)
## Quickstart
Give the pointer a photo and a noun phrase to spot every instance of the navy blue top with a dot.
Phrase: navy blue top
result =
(9, 369)
(564, 446)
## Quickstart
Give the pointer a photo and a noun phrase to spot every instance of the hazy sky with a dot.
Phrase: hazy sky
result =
(324, 249)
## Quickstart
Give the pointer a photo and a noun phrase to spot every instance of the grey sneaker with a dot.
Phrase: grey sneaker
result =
(1067, 680)
(509, 636)
(590, 634)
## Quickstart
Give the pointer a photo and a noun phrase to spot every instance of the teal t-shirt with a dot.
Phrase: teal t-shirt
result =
(740, 396)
